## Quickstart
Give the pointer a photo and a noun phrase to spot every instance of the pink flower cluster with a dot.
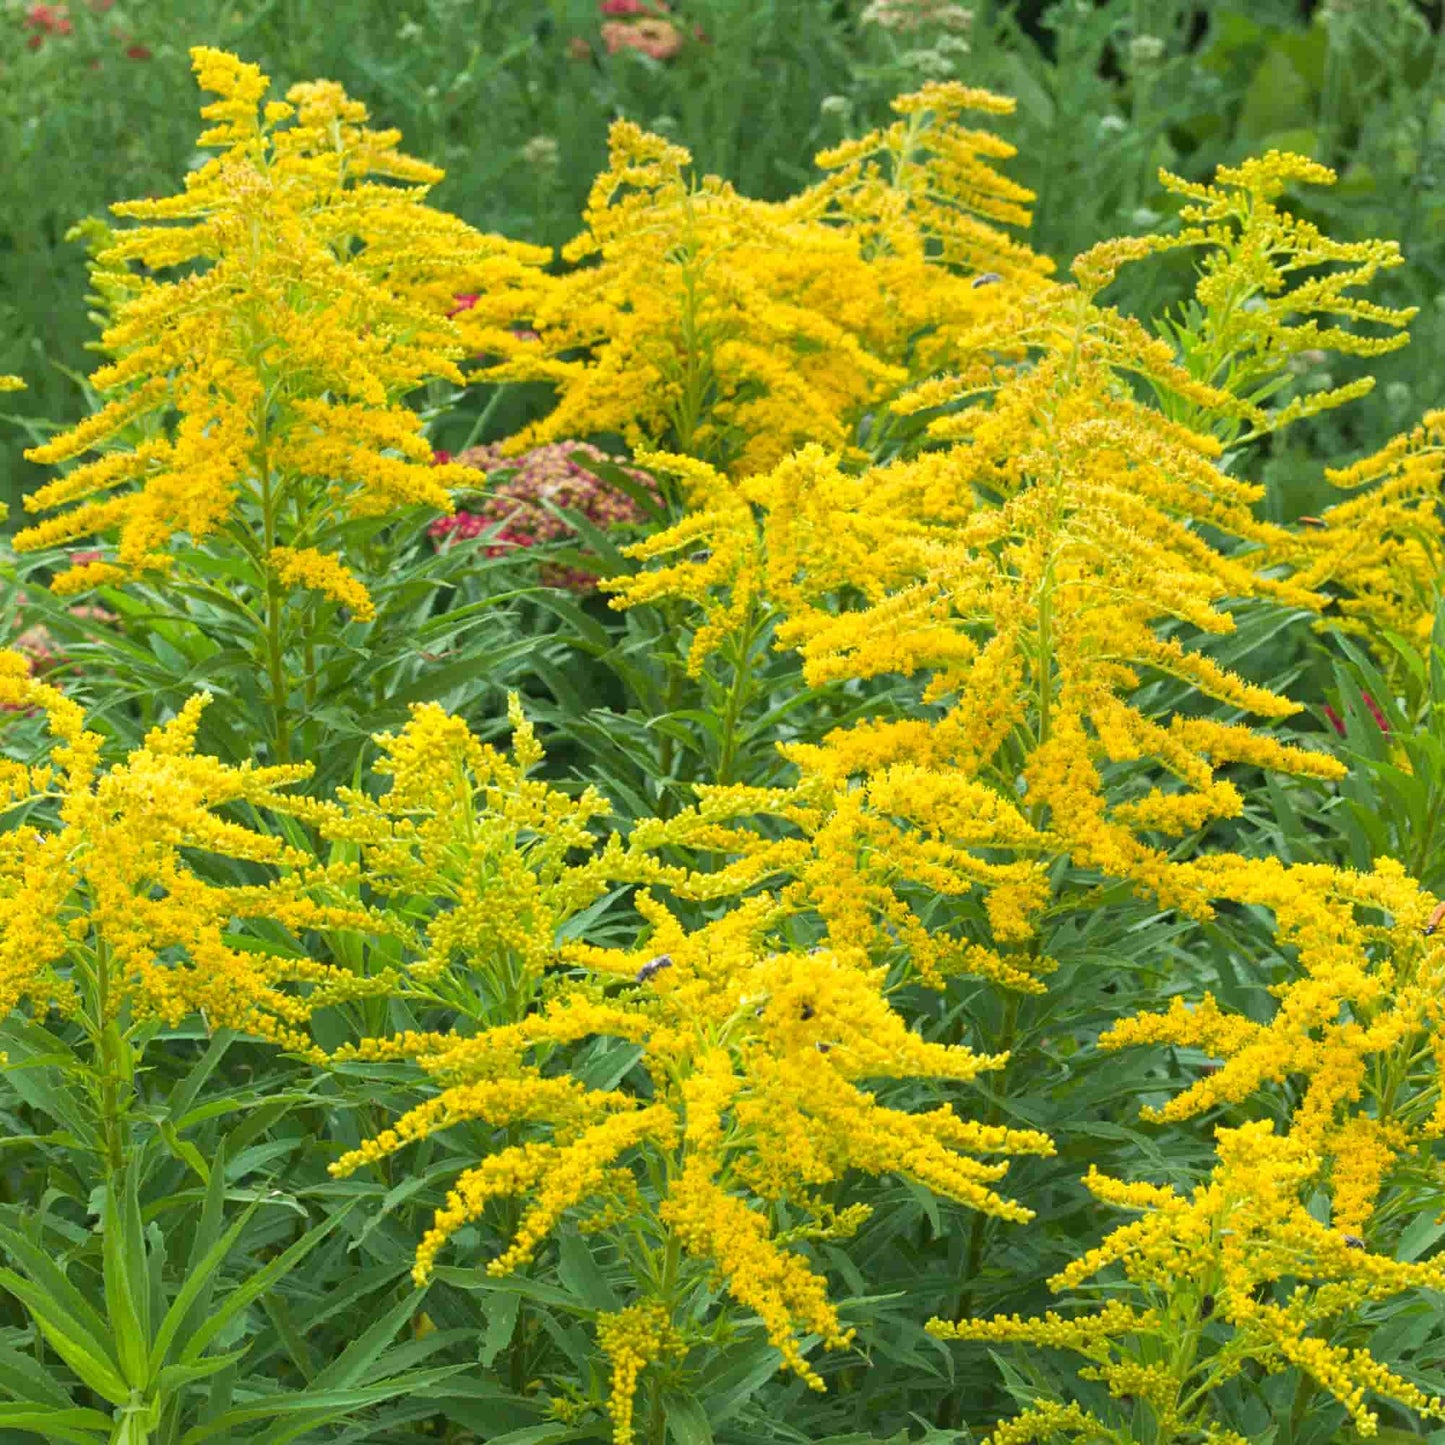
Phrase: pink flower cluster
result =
(43, 21)
(642, 25)
(514, 512)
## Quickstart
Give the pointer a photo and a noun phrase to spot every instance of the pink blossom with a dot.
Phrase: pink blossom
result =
(46, 20)
(660, 39)
(514, 511)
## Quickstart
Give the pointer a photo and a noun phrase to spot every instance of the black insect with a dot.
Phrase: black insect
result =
(1206, 1307)
(700, 556)
(807, 1012)
(1353, 1241)
(985, 278)
(652, 966)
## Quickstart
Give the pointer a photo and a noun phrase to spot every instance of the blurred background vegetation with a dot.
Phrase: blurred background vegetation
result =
(96, 105)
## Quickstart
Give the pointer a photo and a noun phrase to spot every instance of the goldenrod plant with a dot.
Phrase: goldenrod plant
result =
(735, 330)
(254, 435)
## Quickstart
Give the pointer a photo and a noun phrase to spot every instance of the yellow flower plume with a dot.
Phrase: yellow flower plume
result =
(264, 382)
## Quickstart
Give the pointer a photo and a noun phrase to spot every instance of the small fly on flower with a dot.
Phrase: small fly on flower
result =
(985, 278)
(1353, 1241)
(653, 966)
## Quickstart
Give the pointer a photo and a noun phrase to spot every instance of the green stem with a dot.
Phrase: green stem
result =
(950, 1412)
(275, 656)
(737, 696)
(666, 1289)
(671, 700)
(111, 1048)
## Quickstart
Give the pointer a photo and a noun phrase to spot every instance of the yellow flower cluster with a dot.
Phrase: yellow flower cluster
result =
(324, 573)
(631, 1339)
(754, 1054)
(862, 864)
(485, 862)
(1033, 574)
(1268, 278)
(261, 387)
(1383, 548)
(1238, 1271)
(103, 905)
(1356, 1035)
(736, 329)
(1248, 1268)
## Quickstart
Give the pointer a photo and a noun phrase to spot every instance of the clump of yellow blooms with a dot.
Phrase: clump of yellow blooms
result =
(1383, 549)
(754, 1060)
(1237, 1272)
(735, 329)
(1268, 278)
(102, 909)
(258, 392)
(1032, 573)
(631, 1339)
(481, 860)
(754, 1056)
(858, 863)
(324, 573)
(1355, 1035)
(1249, 1268)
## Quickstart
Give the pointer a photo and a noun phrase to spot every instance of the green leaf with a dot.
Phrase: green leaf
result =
(24, 1378)
(577, 1269)
(259, 1282)
(687, 1421)
(73, 1424)
(501, 1315)
(539, 1434)
(173, 1377)
(53, 1281)
(359, 1360)
(83, 1352)
(125, 1285)
(307, 1410)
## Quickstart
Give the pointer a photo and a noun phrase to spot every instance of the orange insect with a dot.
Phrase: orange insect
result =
(1435, 918)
